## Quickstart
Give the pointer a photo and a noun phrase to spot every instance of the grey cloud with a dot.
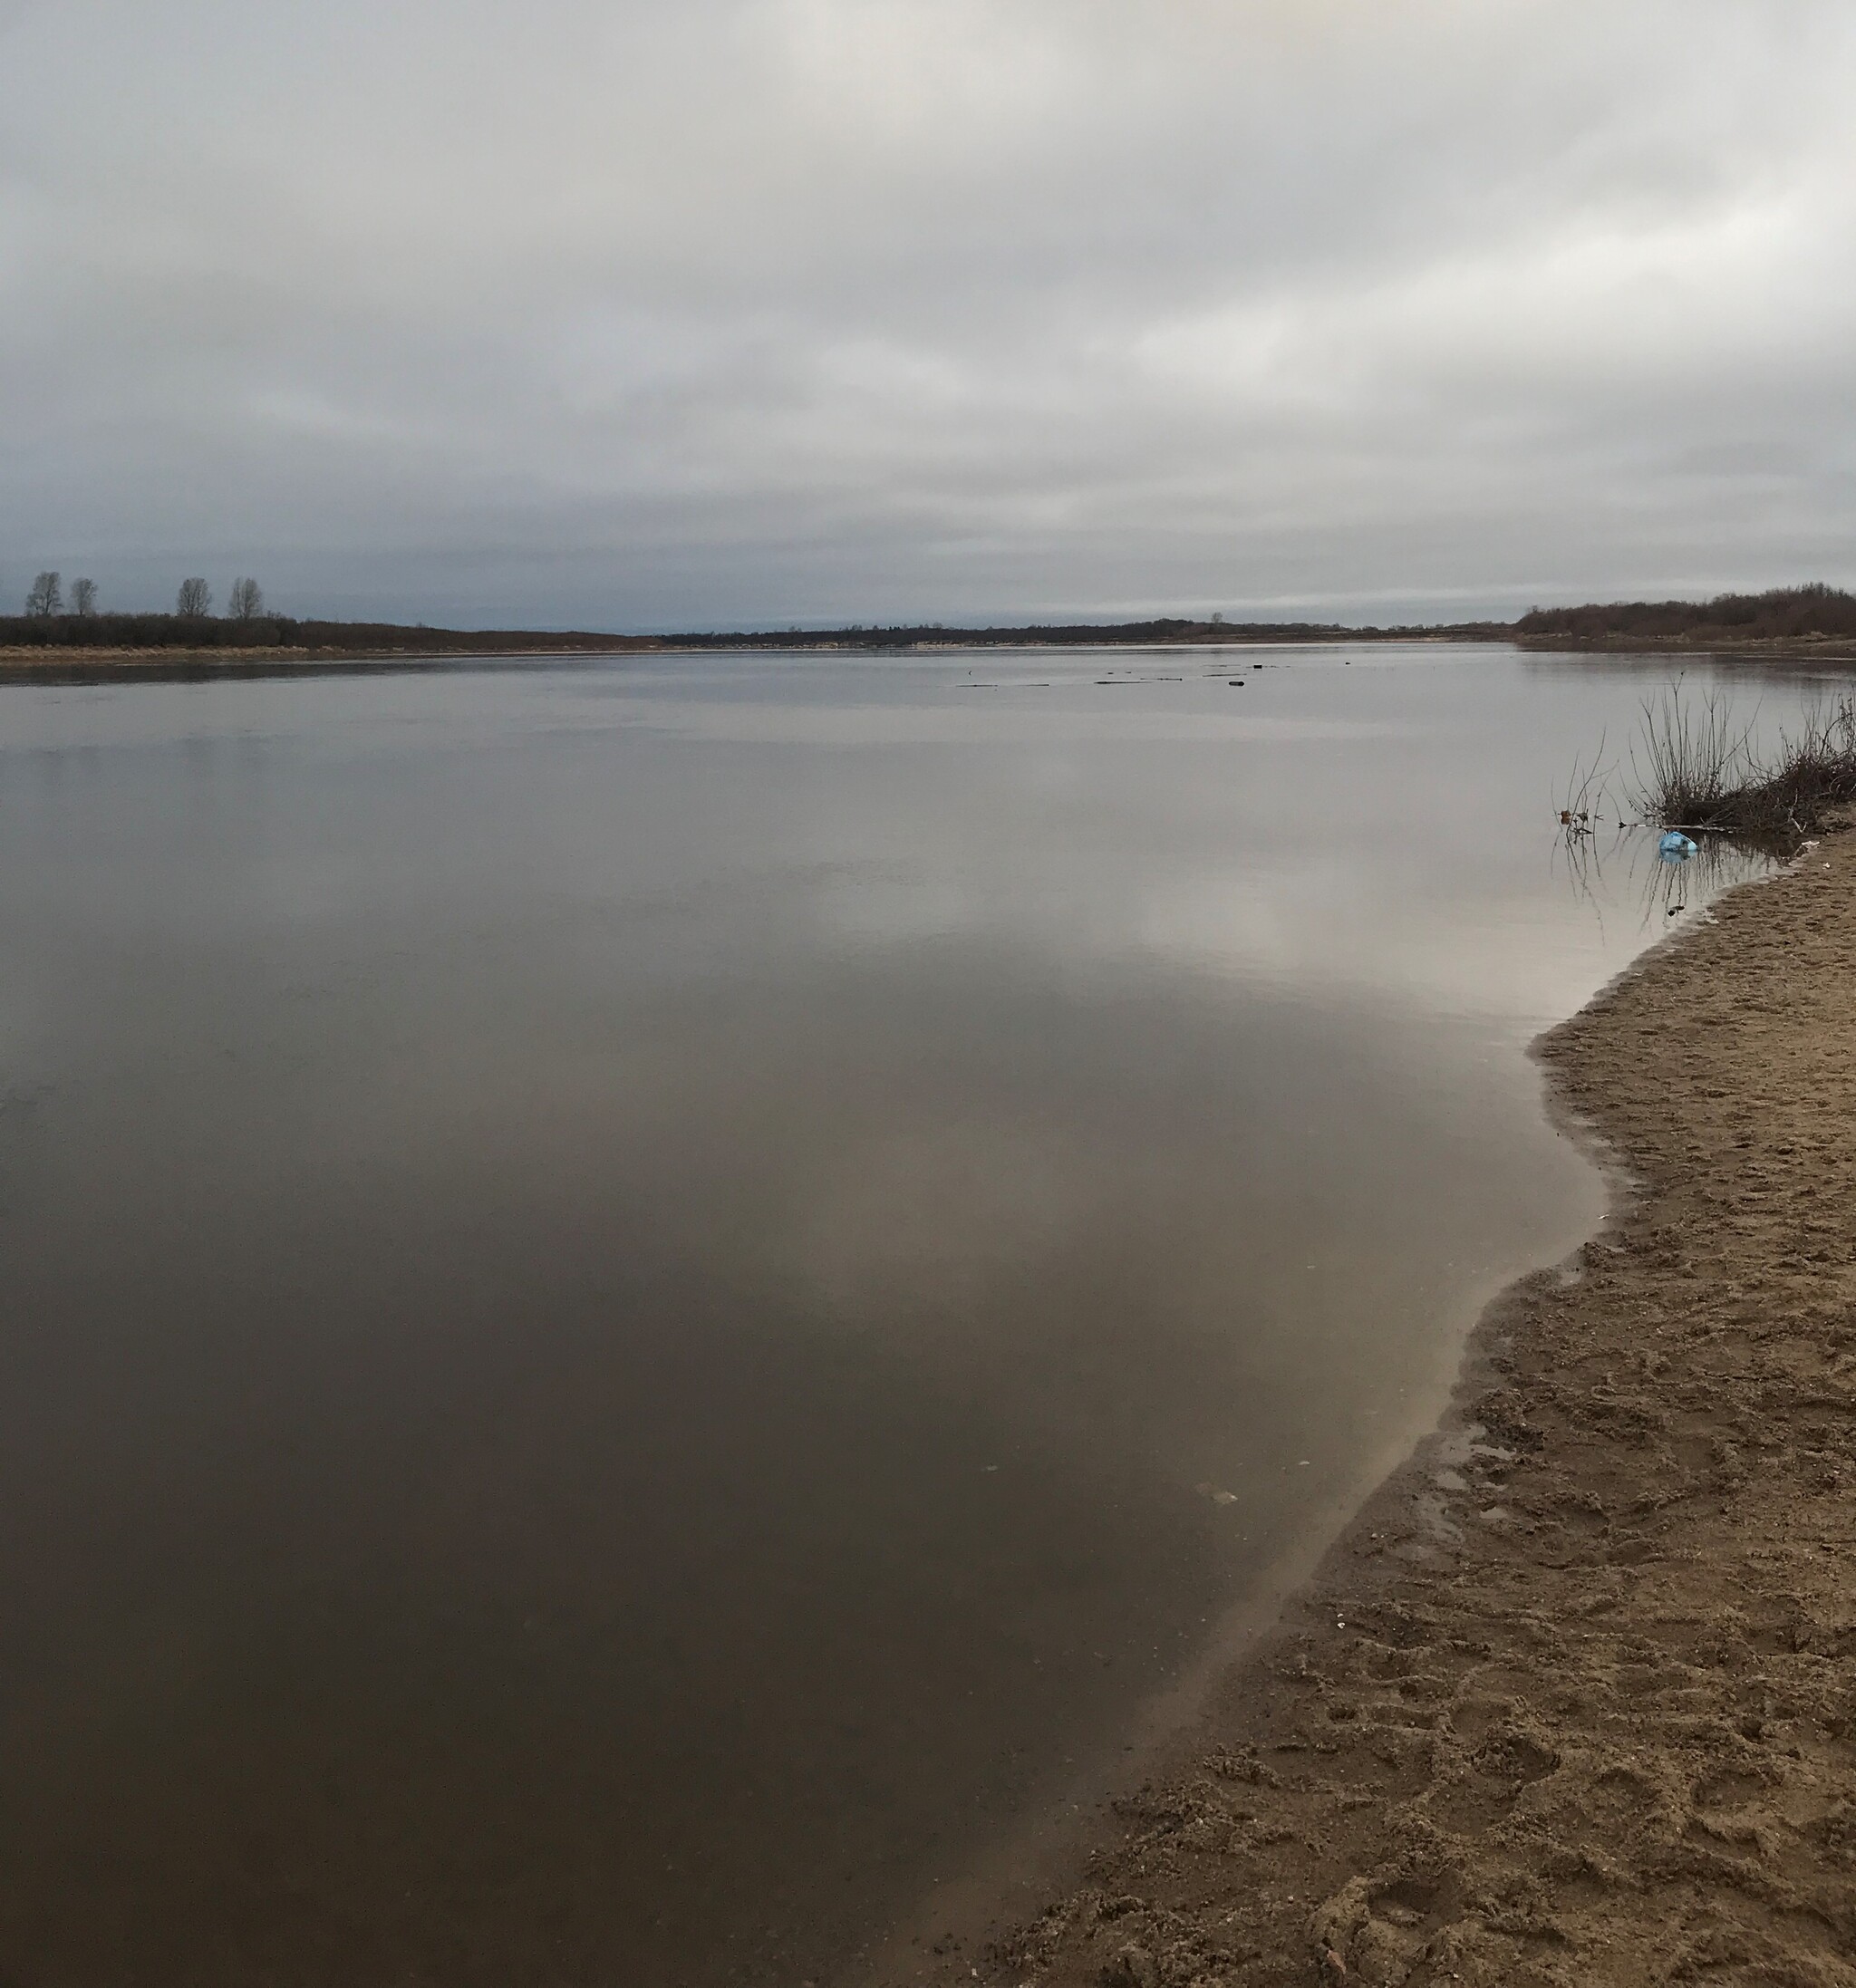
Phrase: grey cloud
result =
(691, 312)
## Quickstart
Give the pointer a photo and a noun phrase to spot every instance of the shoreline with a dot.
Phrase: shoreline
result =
(80, 661)
(1836, 649)
(1075, 1820)
(102, 665)
(51, 663)
(1572, 1698)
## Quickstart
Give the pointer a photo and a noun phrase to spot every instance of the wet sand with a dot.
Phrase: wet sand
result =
(1573, 1700)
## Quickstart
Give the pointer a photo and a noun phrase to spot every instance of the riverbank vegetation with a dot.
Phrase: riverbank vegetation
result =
(1815, 612)
(1167, 630)
(1815, 620)
(79, 628)
(201, 630)
(1697, 766)
(183, 634)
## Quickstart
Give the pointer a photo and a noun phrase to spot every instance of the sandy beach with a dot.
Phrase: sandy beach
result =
(1573, 1700)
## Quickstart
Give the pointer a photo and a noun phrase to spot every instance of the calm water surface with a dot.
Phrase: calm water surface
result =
(639, 1297)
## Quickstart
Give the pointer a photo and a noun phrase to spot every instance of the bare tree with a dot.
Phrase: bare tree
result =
(46, 598)
(247, 602)
(193, 603)
(84, 596)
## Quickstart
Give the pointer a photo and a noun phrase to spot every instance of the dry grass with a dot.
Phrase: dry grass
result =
(1695, 765)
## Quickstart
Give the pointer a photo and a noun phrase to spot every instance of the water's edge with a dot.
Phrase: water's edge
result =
(1047, 1856)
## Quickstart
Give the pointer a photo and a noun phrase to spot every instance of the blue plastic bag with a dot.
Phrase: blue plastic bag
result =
(1675, 846)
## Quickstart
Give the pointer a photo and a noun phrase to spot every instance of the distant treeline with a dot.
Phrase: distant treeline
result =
(1065, 634)
(376, 636)
(205, 632)
(1779, 615)
(1782, 615)
(282, 632)
(916, 635)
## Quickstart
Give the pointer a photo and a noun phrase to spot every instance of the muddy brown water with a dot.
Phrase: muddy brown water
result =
(640, 1298)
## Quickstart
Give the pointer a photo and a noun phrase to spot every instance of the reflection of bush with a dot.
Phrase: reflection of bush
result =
(1628, 863)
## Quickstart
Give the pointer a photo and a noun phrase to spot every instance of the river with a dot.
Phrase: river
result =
(643, 1297)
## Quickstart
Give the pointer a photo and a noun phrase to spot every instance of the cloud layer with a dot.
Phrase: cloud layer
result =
(673, 313)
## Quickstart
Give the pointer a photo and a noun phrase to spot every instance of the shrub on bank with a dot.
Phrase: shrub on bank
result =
(1779, 615)
(1696, 766)
(94, 630)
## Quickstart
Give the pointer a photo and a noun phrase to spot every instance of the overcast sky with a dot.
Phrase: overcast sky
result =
(688, 313)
